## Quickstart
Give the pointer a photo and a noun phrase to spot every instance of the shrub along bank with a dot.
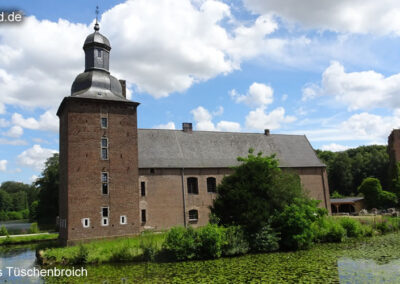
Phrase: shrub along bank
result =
(212, 241)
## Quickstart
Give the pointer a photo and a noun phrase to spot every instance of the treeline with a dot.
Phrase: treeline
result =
(347, 169)
(16, 200)
(37, 201)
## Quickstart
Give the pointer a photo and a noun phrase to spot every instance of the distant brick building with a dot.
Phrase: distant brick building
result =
(116, 180)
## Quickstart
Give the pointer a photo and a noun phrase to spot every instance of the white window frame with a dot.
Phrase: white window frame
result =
(102, 221)
(101, 122)
(101, 148)
(108, 183)
(123, 220)
(83, 222)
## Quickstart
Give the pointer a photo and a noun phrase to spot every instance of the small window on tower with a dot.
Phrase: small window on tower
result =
(143, 188)
(104, 122)
(104, 211)
(104, 148)
(144, 216)
(99, 53)
(104, 183)
(123, 220)
(86, 222)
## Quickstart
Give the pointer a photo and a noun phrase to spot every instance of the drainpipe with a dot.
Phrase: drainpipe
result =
(323, 185)
(183, 196)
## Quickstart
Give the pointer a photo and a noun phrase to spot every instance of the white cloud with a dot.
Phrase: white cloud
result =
(47, 121)
(3, 165)
(2, 108)
(186, 44)
(14, 132)
(218, 111)
(259, 119)
(357, 90)
(39, 61)
(258, 95)
(33, 178)
(334, 147)
(12, 142)
(4, 123)
(354, 16)
(35, 157)
(228, 126)
(169, 125)
(371, 128)
(203, 120)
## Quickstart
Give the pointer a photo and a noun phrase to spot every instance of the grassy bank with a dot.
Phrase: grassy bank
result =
(115, 250)
(27, 239)
(364, 260)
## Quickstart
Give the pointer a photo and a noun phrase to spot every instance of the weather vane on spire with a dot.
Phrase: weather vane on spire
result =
(96, 25)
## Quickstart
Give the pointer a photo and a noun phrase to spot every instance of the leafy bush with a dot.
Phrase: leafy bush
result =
(25, 213)
(374, 195)
(387, 199)
(353, 227)
(181, 243)
(211, 240)
(3, 216)
(295, 223)
(81, 257)
(384, 227)
(14, 215)
(265, 240)
(123, 253)
(149, 246)
(3, 231)
(235, 241)
(327, 229)
(368, 230)
(33, 229)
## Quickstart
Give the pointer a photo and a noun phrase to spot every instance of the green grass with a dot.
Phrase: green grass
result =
(27, 239)
(101, 251)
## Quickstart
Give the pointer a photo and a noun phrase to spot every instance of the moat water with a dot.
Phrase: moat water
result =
(372, 261)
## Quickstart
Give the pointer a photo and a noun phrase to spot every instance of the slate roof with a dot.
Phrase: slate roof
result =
(159, 148)
(346, 199)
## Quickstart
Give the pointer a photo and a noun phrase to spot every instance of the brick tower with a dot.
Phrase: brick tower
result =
(99, 195)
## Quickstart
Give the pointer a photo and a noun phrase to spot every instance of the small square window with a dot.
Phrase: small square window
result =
(104, 221)
(143, 188)
(123, 220)
(104, 122)
(144, 216)
(86, 222)
(193, 215)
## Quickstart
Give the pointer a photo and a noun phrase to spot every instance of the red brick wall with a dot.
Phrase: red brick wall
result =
(81, 167)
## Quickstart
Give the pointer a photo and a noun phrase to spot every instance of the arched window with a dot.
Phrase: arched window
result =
(193, 215)
(192, 185)
(211, 184)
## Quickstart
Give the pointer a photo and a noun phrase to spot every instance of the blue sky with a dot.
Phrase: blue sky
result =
(325, 69)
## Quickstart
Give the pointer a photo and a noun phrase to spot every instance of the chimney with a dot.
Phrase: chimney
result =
(123, 85)
(187, 127)
(266, 132)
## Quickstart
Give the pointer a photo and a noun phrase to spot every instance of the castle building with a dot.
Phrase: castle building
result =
(117, 180)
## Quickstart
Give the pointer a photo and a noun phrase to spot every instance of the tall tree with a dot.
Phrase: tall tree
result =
(254, 191)
(47, 185)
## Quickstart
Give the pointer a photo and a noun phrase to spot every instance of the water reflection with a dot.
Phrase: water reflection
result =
(20, 257)
(16, 227)
(368, 271)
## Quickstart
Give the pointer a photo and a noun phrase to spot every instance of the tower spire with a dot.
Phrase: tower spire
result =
(96, 25)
